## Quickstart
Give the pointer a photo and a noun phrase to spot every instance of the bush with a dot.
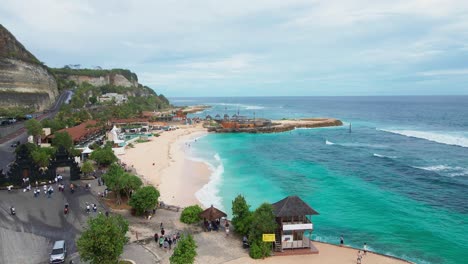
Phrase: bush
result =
(185, 251)
(191, 214)
(259, 249)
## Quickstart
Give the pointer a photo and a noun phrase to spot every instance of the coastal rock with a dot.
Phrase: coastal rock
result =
(24, 81)
(278, 126)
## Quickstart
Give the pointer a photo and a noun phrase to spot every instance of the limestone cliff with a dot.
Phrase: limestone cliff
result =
(24, 81)
(98, 77)
(107, 79)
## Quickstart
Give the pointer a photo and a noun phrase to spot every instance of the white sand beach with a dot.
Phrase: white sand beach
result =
(162, 163)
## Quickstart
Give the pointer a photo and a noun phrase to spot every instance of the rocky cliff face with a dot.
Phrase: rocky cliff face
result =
(108, 79)
(24, 81)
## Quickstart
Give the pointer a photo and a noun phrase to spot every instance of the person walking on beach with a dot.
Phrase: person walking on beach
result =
(365, 248)
(166, 244)
(161, 241)
(359, 257)
(226, 226)
(156, 237)
(341, 240)
(169, 240)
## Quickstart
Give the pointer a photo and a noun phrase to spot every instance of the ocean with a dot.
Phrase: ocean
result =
(398, 181)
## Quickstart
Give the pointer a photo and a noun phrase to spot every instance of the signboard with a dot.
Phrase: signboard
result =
(268, 238)
(298, 227)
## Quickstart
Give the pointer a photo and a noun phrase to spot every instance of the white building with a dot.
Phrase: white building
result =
(118, 98)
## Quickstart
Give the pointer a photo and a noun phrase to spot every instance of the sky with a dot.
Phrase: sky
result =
(256, 48)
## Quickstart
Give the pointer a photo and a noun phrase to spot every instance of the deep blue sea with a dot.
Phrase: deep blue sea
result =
(398, 181)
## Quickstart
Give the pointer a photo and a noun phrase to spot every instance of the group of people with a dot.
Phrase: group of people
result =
(92, 206)
(360, 254)
(47, 191)
(166, 241)
(215, 225)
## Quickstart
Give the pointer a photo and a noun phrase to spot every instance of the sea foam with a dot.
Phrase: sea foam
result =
(446, 170)
(439, 137)
(209, 194)
(383, 156)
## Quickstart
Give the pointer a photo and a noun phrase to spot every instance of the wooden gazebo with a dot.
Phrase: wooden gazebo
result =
(212, 213)
(294, 218)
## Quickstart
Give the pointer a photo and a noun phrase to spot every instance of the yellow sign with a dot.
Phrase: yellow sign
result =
(268, 238)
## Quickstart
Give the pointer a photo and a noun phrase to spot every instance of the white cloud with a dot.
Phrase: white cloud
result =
(245, 43)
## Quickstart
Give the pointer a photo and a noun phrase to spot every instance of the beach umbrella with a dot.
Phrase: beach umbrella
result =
(212, 213)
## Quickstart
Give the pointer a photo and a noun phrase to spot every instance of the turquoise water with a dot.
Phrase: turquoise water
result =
(398, 182)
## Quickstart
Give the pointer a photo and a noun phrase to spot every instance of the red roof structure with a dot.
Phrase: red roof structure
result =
(81, 131)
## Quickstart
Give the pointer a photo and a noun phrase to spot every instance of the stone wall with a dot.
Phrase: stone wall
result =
(26, 84)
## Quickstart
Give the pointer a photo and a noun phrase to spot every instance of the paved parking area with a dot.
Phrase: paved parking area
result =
(27, 237)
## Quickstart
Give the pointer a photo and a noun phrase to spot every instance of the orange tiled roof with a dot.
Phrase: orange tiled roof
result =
(80, 131)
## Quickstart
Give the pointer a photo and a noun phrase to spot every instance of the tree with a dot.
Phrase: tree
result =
(34, 128)
(87, 167)
(113, 179)
(144, 199)
(62, 139)
(263, 222)
(242, 217)
(41, 157)
(103, 156)
(103, 241)
(191, 214)
(185, 251)
(131, 183)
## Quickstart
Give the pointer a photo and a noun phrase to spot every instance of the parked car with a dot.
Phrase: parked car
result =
(14, 145)
(59, 252)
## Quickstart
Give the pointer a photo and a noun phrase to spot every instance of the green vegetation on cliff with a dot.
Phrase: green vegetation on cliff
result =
(84, 105)
(67, 71)
(11, 48)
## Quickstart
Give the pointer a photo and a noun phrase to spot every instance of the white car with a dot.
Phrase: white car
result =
(59, 252)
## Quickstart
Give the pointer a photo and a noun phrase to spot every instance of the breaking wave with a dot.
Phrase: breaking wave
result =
(446, 170)
(383, 156)
(209, 194)
(448, 139)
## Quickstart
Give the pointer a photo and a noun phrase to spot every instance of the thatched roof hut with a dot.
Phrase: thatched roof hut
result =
(212, 213)
(292, 206)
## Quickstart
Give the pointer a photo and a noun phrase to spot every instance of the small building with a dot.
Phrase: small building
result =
(294, 218)
(118, 98)
(85, 132)
(208, 118)
(217, 117)
(226, 117)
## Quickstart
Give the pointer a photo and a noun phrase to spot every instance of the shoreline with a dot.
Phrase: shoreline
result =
(163, 163)
(179, 177)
